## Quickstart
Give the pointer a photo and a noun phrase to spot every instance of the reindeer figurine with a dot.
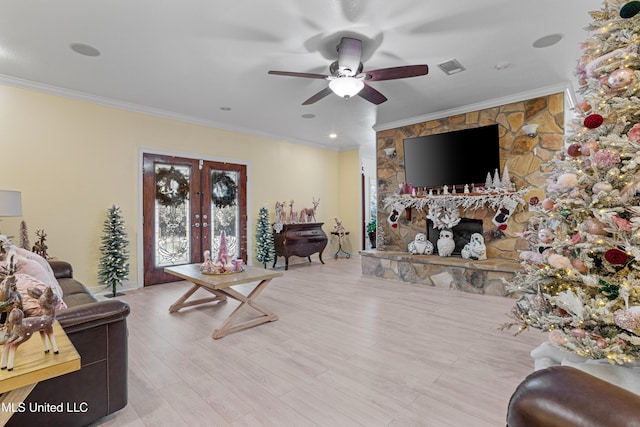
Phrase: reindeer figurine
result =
(10, 298)
(309, 214)
(283, 212)
(23, 329)
(293, 214)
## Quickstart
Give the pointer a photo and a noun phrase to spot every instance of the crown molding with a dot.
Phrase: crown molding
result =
(155, 112)
(518, 97)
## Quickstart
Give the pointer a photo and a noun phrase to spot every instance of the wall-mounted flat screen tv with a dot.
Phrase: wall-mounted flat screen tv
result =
(452, 158)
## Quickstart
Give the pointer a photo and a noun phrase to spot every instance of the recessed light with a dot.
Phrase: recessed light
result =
(333, 135)
(308, 116)
(548, 40)
(502, 65)
(225, 108)
(84, 49)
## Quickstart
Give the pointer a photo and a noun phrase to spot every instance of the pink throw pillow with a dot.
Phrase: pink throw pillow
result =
(30, 305)
(35, 266)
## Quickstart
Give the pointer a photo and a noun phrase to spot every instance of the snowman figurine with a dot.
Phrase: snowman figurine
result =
(446, 245)
(420, 245)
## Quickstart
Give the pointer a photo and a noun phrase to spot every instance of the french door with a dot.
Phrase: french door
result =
(187, 204)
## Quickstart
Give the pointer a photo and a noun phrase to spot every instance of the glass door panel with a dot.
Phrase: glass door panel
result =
(172, 216)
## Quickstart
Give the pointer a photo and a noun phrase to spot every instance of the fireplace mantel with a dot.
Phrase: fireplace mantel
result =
(493, 198)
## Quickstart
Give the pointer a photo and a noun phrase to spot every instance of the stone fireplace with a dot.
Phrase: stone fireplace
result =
(523, 156)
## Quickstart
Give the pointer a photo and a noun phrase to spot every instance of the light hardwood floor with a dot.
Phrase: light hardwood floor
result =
(348, 350)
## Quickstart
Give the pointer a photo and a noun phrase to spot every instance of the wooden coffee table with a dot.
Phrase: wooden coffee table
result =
(220, 286)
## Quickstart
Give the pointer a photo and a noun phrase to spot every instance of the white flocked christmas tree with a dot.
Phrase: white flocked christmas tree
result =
(114, 263)
(265, 250)
(585, 291)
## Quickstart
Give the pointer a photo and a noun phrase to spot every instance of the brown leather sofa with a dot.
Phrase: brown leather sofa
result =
(562, 396)
(98, 330)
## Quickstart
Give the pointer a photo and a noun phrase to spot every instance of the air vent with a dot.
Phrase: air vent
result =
(451, 67)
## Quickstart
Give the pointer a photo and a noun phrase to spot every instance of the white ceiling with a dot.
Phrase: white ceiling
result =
(188, 58)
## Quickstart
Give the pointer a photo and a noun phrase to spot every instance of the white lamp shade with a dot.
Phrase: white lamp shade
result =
(10, 203)
(346, 87)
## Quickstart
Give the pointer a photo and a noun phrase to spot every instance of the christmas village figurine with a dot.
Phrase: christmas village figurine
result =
(207, 266)
(542, 249)
(224, 263)
(420, 245)
(475, 249)
(21, 329)
(40, 247)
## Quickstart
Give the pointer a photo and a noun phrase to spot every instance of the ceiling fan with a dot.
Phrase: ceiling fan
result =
(347, 78)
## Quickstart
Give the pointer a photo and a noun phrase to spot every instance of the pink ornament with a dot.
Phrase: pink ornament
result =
(620, 78)
(606, 158)
(558, 338)
(558, 261)
(548, 204)
(628, 319)
(583, 106)
(623, 224)
(567, 180)
(579, 333)
(589, 147)
(595, 227)
(579, 265)
(634, 133)
(601, 343)
(574, 150)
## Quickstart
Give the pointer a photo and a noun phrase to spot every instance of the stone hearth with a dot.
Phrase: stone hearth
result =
(478, 277)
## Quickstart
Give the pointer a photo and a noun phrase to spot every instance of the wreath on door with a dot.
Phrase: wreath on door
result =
(224, 190)
(172, 187)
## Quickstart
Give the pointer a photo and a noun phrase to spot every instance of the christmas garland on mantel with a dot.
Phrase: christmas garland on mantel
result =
(493, 198)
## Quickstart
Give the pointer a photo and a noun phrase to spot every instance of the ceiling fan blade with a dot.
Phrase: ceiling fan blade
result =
(396, 72)
(318, 96)
(293, 74)
(372, 95)
(349, 52)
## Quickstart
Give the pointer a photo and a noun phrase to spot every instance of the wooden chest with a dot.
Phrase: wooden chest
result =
(301, 240)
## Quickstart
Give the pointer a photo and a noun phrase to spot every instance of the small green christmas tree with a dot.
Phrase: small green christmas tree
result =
(114, 263)
(265, 250)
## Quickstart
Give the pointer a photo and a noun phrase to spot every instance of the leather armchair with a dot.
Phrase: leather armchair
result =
(562, 396)
(98, 330)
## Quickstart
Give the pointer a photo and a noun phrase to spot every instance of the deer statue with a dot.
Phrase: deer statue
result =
(283, 212)
(23, 329)
(278, 211)
(292, 212)
(10, 298)
(309, 214)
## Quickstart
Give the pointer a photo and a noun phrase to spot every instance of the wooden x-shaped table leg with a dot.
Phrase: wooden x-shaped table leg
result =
(245, 302)
(182, 301)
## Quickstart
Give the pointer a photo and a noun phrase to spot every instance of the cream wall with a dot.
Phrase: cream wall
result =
(72, 160)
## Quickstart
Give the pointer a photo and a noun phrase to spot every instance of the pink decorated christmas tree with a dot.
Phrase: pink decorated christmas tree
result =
(223, 252)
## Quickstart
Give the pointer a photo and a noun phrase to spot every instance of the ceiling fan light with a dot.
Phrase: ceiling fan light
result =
(346, 87)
